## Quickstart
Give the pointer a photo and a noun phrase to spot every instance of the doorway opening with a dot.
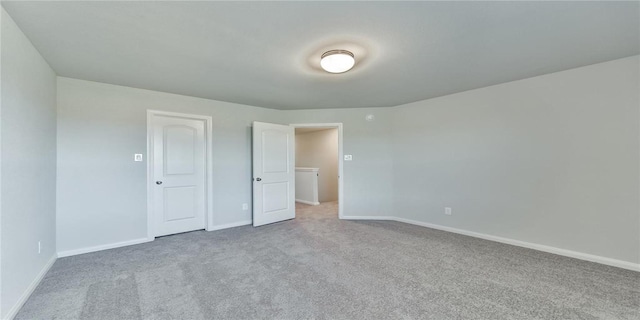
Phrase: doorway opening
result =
(273, 161)
(318, 162)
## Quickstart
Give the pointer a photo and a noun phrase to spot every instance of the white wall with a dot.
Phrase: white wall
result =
(28, 164)
(319, 149)
(551, 160)
(368, 179)
(102, 191)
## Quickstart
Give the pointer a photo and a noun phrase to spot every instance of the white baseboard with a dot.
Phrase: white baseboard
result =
(563, 252)
(27, 293)
(385, 218)
(231, 225)
(74, 252)
(311, 203)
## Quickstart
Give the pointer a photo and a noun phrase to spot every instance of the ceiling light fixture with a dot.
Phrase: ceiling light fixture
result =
(337, 61)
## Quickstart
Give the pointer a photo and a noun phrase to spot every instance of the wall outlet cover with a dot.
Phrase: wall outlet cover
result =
(137, 157)
(348, 157)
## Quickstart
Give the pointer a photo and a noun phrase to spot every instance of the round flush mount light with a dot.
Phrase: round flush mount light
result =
(337, 61)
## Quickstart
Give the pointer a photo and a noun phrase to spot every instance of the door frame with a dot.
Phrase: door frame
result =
(208, 121)
(336, 125)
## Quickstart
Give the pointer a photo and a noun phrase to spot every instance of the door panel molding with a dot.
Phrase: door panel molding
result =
(208, 166)
(273, 173)
(171, 133)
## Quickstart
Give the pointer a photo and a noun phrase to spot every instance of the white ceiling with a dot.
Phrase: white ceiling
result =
(267, 53)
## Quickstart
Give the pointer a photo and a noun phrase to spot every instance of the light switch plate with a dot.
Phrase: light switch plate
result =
(348, 157)
(137, 157)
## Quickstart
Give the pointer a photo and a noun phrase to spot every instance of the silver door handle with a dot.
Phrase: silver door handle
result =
(258, 179)
(158, 182)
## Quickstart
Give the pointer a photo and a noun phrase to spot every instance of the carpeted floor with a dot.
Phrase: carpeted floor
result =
(318, 267)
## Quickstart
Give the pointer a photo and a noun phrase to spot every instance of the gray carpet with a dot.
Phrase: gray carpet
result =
(318, 267)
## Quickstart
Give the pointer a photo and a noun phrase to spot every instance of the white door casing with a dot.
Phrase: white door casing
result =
(338, 126)
(178, 175)
(273, 173)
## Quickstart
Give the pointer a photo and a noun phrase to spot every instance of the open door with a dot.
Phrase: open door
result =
(273, 173)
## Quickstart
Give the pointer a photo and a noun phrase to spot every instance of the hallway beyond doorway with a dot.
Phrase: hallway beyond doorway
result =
(322, 211)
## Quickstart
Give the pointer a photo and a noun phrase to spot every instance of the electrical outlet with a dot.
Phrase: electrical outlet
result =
(447, 211)
(137, 157)
(348, 157)
(245, 206)
(39, 248)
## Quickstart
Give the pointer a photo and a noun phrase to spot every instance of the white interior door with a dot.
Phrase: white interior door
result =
(273, 173)
(178, 174)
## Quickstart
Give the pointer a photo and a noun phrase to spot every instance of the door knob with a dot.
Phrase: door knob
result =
(158, 182)
(258, 179)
